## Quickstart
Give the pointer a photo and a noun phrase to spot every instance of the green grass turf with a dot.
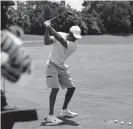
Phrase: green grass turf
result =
(91, 39)
(103, 75)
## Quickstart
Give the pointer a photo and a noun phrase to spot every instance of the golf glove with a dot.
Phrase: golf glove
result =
(47, 23)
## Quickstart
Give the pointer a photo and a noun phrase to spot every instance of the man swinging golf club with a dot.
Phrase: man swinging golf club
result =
(57, 74)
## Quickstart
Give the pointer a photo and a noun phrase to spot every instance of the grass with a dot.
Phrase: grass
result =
(103, 75)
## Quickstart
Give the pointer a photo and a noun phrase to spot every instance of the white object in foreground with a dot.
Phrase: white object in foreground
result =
(122, 123)
(115, 121)
(129, 123)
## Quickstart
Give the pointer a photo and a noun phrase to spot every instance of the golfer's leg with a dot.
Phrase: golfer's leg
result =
(53, 83)
(52, 99)
(68, 97)
(67, 82)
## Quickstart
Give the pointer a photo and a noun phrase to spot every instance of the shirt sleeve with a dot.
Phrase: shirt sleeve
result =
(57, 43)
(63, 34)
(54, 39)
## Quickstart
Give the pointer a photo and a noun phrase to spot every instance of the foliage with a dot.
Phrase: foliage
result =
(111, 16)
(96, 17)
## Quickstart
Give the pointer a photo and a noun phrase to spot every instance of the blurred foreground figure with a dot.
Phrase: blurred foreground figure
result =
(14, 63)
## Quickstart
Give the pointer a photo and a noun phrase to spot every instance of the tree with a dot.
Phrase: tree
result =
(96, 17)
(111, 16)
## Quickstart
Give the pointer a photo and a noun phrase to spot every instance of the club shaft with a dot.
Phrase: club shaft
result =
(56, 16)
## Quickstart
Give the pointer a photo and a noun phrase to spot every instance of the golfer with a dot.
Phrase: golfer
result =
(57, 74)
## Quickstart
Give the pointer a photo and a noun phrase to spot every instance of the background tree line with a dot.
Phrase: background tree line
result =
(96, 17)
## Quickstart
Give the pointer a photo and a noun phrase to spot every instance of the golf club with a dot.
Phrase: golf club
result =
(68, 13)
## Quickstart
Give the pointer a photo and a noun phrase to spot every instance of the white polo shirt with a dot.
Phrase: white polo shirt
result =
(59, 53)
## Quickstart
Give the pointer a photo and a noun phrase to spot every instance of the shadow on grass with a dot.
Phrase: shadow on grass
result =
(66, 121)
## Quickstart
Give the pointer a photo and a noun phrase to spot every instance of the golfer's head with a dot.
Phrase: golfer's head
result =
(75, 33)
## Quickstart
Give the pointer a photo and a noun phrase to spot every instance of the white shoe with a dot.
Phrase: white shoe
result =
(66, 112)
(53, 120)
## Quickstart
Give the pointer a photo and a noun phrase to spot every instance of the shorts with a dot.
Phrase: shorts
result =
(58, 76)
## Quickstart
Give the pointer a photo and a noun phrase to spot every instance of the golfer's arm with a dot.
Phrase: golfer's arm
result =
(47, 39)
(58, 37)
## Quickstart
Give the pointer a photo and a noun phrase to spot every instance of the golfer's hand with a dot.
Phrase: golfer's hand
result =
(47, 23)
(19, 62)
